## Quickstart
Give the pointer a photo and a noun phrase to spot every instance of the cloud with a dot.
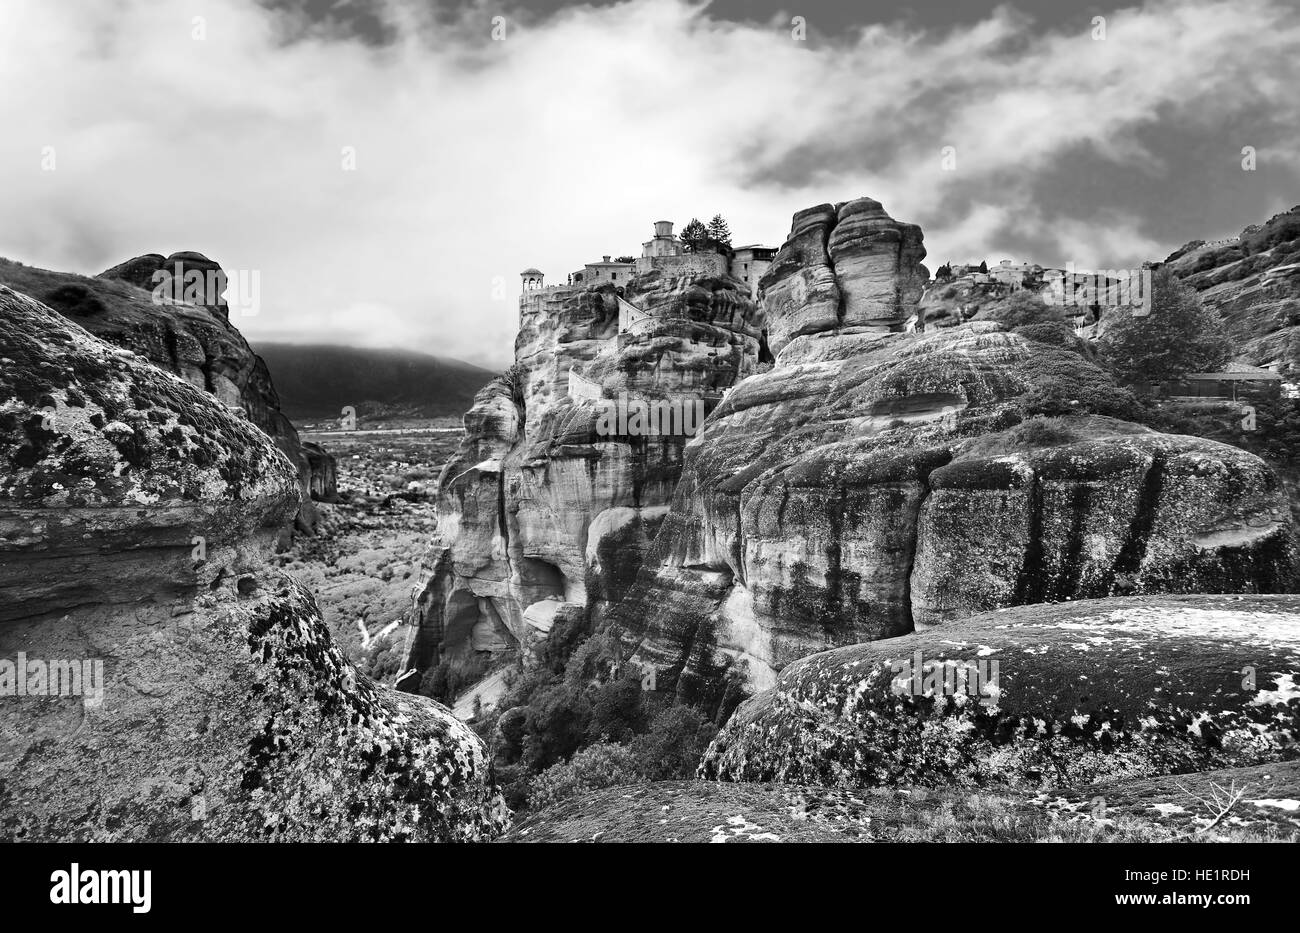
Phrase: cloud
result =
(475, 158)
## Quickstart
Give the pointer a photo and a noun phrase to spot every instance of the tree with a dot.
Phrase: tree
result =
(984, 266)
(625, 259)
(1179, 335)
(943, 272)
(557, 721)
(674, 744)
(719, 232)
(694, 233)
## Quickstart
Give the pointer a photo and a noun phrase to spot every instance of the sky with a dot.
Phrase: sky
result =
(386, 168)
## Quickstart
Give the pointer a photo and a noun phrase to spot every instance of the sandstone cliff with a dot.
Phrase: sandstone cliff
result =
(1253, 281)
(161, 683)
(874, 481)
(196, 341)
(545, 513)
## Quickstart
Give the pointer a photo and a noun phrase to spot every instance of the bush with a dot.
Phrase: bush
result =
(514, 782)
(595, 659)
(604, 764)
(557, 722)
(616, 711)
(75, 300)
(566, 636)
(1054, 334)
(384, 663)
(1019, 309)
(1063, 383)
(1179, 336)
(452, 676)
(676, 741)
(1042, 432)
(512, 727)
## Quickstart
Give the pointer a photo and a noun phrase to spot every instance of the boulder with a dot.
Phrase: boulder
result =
(1042, 696)
(160, 681)
(195, 341)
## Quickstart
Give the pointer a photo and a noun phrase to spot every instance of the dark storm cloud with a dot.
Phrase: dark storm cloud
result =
(475, 158)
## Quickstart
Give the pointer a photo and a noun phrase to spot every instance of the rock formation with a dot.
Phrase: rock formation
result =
(195, 341)
(874, 481)
(1253, 281)
(1039, 696)
(1139, 810)
(189, 277)
(159, 681)
(322, 473)
(546, 510)
(848, 267)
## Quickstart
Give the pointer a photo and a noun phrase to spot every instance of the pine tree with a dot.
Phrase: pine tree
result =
(719, 232)
(694, 233)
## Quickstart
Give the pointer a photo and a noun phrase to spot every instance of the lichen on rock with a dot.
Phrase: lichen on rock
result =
(137, 518)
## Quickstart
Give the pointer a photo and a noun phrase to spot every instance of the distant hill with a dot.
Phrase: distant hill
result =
(316, 381)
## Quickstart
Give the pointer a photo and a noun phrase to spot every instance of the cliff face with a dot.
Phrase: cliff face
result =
(195, 341)
(1253, 281)
(546, 510)
(161, 683)
(875, 482)
(849, 267)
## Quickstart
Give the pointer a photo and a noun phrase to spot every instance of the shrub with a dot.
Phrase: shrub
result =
(385, 662)
(514, 782)
(1042, 432)
(604, 764)
(512, 727)
(75, 300)
(566, 636)
(453, 675)
(616, 711)
(1021, 308)
(594, 660)
(673, 746)
(1052, 333)
(557, 722)
(1063, 383)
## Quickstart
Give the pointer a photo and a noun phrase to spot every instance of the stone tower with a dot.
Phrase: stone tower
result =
(531, 278)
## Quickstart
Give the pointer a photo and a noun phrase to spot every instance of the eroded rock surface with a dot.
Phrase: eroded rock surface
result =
(1096, 690)
(1150, 810)
(1253, 281)
(196, 341)
(545, 513)
(136, 518)
(877, 481)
